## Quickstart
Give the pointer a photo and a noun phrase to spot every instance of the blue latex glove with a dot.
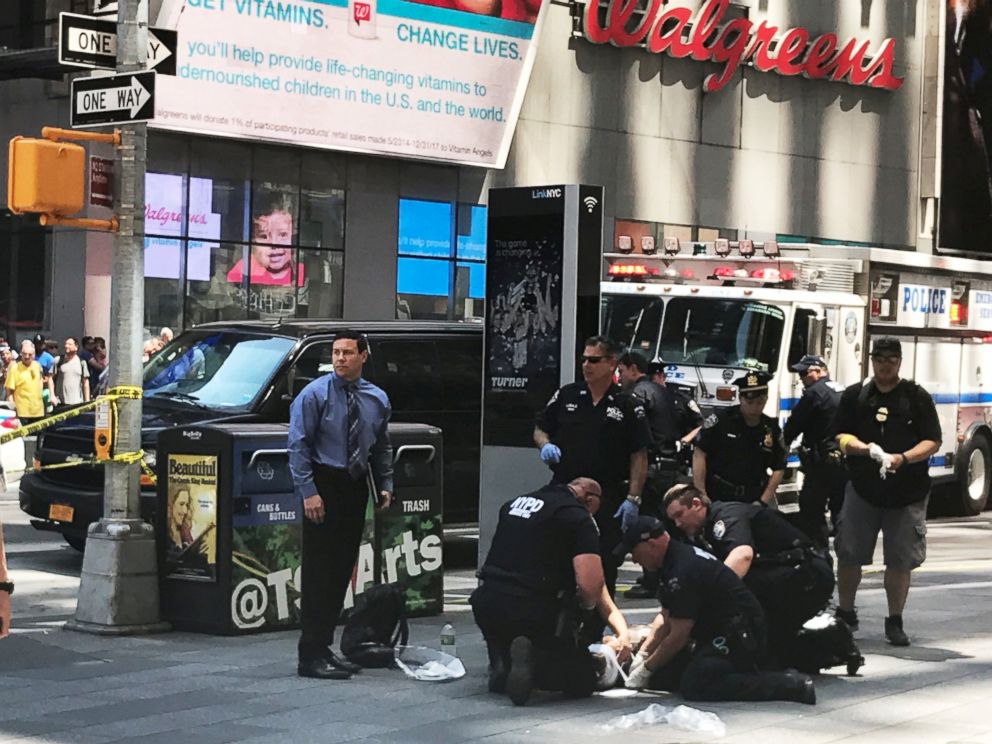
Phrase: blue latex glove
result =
(550, 454)
(628, 513)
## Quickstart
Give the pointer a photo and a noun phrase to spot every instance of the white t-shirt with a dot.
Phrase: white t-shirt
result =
(69, 376)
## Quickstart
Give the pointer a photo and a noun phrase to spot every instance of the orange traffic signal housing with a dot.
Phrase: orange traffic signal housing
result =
(45, 176)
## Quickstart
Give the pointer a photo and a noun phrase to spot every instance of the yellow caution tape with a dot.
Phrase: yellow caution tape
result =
(125, 392)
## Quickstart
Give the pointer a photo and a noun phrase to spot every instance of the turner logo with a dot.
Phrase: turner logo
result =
(363, 12)
(545, 194)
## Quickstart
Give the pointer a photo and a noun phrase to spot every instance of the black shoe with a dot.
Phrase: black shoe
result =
(520, 680)
(320, 669)
(894, 632)
(343, 664)
(497, 677)
(807, 693)
(641, 591)
(848, 617)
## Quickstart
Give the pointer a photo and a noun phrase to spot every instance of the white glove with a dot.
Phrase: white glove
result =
(883, 458)
(639, 675)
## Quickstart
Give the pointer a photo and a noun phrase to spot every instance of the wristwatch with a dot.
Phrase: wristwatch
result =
(7, 586)
(636, 500)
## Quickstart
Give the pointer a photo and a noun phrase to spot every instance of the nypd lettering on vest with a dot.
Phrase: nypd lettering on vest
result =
(525, 506)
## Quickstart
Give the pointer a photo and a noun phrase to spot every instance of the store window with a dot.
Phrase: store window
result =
(441, 261)
(239, 231)
(24, 252)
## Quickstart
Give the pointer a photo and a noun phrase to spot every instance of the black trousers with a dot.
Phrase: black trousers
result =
(790, 595)
(330, 550)
(561, 663)
(711, 676)
(610, 536)
(823, 486)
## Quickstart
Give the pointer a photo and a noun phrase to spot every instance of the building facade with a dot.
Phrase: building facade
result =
(261, 227)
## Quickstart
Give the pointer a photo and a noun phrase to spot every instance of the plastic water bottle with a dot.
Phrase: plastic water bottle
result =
(448, 639)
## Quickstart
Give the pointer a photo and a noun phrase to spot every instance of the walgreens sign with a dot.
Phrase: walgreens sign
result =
(707, 37)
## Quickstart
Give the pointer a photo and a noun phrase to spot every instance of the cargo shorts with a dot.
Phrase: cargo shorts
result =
(904, 532)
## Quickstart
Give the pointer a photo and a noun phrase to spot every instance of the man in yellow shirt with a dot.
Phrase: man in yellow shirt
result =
(24, 380)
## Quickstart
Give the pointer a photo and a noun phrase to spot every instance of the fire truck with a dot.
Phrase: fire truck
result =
(711, 311)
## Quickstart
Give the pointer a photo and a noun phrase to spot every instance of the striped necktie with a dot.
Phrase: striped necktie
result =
(355, 465)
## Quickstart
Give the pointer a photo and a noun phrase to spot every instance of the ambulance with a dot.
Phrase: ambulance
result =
(711, 311)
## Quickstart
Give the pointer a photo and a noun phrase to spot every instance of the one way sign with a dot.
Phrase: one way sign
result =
(115, 99)
(85, 41)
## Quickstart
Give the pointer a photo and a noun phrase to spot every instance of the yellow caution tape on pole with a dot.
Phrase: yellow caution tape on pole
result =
(119, 392)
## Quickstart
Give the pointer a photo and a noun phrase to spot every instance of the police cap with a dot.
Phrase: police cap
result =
(810, 360)
(753, 382)
(645, 528)
(886, 346)
(656, 367)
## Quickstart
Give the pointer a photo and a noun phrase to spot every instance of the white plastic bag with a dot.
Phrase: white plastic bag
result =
(429, 665)
(683, 718)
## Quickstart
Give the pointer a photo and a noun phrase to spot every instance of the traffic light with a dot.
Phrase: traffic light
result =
(45, 176)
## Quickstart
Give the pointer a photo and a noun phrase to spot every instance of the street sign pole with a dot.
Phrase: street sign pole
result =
(118, 591)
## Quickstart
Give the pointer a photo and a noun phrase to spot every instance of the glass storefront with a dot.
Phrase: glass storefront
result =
(241, 231)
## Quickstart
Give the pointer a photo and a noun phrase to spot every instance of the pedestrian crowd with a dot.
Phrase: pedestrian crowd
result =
(42, 376)
(737, 582)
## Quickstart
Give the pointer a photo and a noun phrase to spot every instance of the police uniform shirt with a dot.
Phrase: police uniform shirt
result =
(732, 524)
(537, 537)
(814, 412)
(740, 453)
(694, 585)
(595, 441)
(897, 421)
(660, 411)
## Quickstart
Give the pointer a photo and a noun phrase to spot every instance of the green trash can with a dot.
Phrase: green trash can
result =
(229, 528)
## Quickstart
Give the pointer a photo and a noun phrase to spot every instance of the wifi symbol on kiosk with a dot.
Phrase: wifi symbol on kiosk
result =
(590, 202)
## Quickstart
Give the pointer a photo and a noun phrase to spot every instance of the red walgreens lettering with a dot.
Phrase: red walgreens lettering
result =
(739, 41)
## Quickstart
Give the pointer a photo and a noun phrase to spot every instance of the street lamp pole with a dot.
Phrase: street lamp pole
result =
(118, 590)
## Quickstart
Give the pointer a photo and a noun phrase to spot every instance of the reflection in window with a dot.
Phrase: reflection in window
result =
(436, 280)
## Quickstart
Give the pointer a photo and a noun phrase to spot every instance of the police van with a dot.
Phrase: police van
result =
(712, 310)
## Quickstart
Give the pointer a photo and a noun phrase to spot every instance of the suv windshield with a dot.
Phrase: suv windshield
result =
(214, 370)
(633, 321)
(721, 333)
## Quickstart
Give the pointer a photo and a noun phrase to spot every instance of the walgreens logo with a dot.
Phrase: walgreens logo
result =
(708, 38)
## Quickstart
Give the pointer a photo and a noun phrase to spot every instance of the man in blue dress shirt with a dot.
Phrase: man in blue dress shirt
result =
(337, 434)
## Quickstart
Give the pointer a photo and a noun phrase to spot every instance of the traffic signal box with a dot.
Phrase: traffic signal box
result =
(45, 177)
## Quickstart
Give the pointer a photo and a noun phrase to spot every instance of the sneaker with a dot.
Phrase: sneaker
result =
(520, 680)
(894, 632)
(849, 617)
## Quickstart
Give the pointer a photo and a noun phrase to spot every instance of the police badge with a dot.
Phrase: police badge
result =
(768, 439)
(882, 415)
(719, 529)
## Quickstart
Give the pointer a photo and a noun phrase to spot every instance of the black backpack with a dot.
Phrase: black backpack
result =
(375, 626)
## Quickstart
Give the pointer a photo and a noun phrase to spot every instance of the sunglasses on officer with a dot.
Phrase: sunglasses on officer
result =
(754, 396)
(593, 359)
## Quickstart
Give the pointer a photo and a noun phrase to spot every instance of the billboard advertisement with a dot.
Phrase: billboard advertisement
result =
(436, 79)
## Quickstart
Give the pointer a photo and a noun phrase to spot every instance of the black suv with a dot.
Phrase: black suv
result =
(250, 371)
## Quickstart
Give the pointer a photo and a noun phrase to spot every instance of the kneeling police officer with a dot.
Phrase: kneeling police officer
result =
(791, 578)
(543, 598)
(737, 447)
(711, 631)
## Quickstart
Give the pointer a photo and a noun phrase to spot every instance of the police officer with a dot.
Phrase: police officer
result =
(686, 409)
(823, 472)
(791, 578)
(703, 600)
(887, 428)
(543, 574)
(663, 419)
(738, 446)
(591, 429)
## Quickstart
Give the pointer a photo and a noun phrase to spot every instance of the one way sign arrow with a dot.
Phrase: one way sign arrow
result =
(115, 99)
